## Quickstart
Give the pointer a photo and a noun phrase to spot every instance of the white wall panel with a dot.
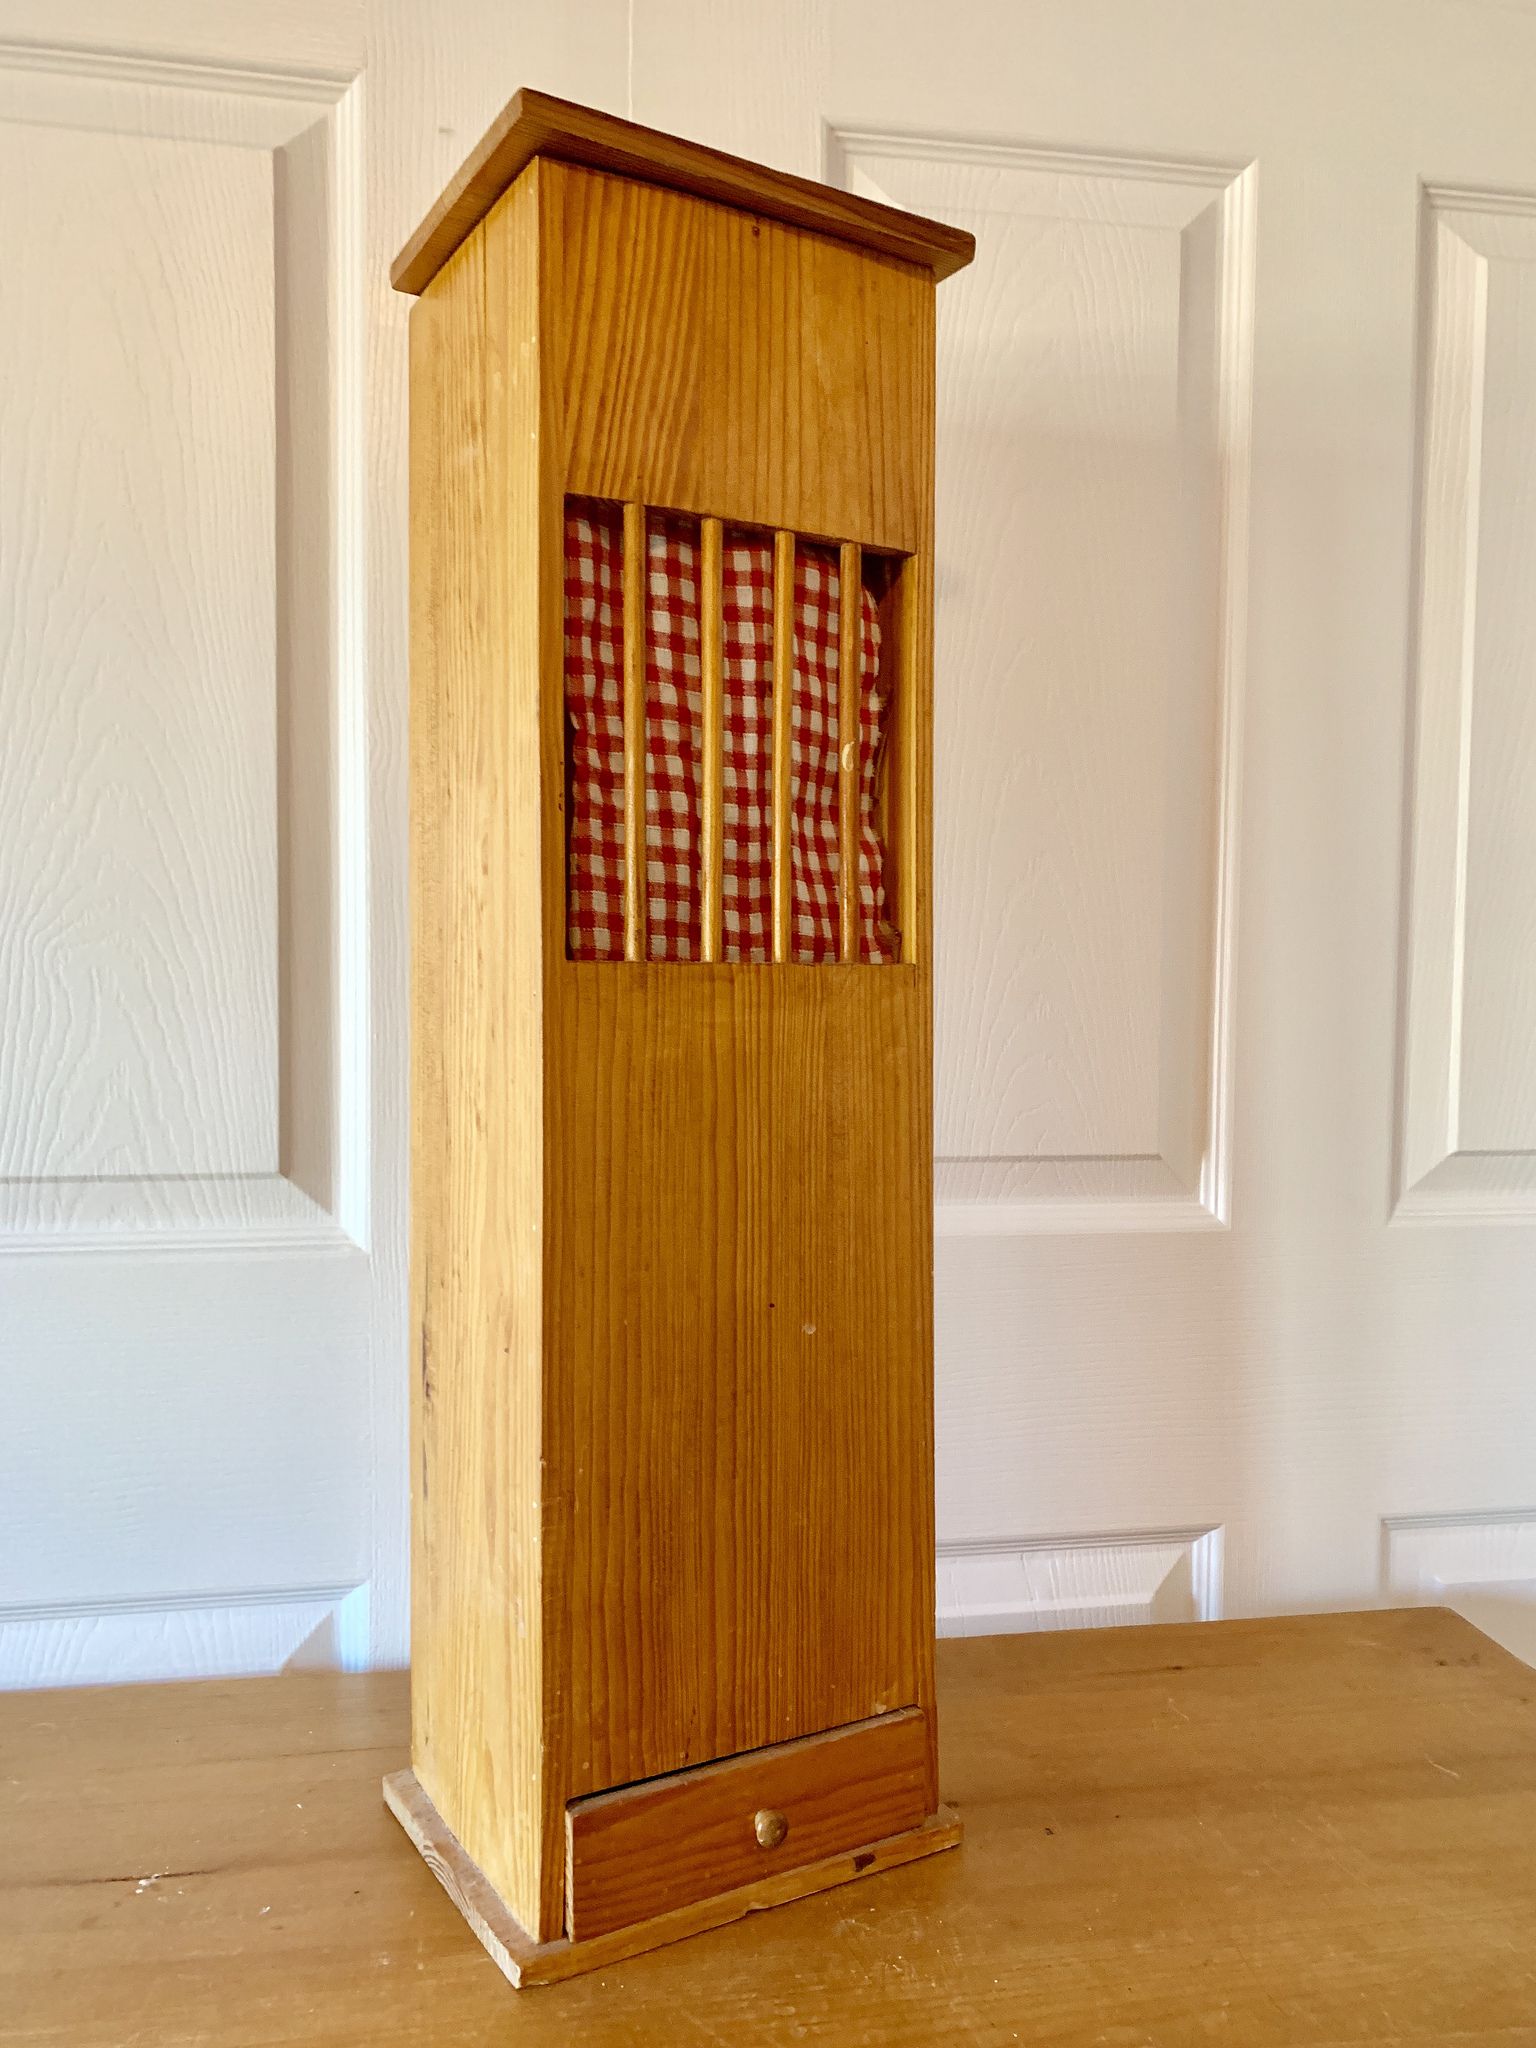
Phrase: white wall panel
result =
(1467, 1139)
(294, 1628)
(1482, 1565)
(1291, 1378)
(1112, 1581)
(138, 942)
(205, 1377)
(1092, 483)
(183, 909)
(182, 1425)
(202, 810)
(183, 885)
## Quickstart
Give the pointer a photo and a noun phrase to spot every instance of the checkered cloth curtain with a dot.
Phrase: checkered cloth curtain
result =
(594, 695)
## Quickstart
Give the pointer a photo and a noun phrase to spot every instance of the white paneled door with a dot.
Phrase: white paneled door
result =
(202, 810)
(1236, 834)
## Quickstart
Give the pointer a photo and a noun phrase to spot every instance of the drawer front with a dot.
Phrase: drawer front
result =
(650, 1848)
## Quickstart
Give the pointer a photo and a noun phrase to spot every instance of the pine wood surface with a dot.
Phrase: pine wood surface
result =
(527, 1963)
(671, 1842)
(636, 602)
(479, 1736)
(738, 1251)
(673, 1257)
(711, 691)
(850, 642)
(746, 1369)
(783, 731)
(535, 124)
(710, 362)
(1286, 1834)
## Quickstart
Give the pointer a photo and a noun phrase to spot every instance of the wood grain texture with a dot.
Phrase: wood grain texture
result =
(524, 1962)
(477, 1120)
(782, 878)
(673, 1842)
(738, 1255)
(534, 124)
(1307, 1830)
(905, 788)
(850, 687)
(722, 365)
(636, 582)
(673, 1261)
(711, 740)
(743, 1355)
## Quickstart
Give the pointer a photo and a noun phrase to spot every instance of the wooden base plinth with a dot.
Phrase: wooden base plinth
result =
(525, 1961)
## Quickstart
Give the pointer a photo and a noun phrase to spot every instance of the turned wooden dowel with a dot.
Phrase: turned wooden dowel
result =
(850, 668)
(711, 740)
(782, 771)
(636, 599)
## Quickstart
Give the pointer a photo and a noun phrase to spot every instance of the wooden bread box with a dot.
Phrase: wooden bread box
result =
(672, 1460)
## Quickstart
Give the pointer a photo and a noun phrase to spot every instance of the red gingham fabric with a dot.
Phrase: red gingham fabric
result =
(594, 707)
(594, 685)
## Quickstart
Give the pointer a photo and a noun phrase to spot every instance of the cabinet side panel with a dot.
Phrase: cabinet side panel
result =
(477, 1140)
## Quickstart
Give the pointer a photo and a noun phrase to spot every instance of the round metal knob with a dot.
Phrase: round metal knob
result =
(769, 1827)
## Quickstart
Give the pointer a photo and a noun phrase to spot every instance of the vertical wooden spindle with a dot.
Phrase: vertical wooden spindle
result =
(636, 602)
(711, 740)
(783, 741)
(850, 706)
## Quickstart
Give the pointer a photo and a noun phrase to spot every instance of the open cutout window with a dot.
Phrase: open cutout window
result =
(697, 656)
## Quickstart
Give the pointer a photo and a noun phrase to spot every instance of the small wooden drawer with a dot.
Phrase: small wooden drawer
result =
(649, 1848)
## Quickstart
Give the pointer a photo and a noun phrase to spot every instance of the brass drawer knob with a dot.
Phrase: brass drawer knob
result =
(769, 1827)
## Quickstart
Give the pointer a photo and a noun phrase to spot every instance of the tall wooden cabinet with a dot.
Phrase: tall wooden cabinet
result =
(671, 483)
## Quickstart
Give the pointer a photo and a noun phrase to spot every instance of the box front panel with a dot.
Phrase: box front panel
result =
(738, 1265)
(708, 352)
(739, 1326)
(663, 1845)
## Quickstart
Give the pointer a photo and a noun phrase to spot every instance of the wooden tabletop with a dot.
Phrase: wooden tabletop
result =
(1311, 1831)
